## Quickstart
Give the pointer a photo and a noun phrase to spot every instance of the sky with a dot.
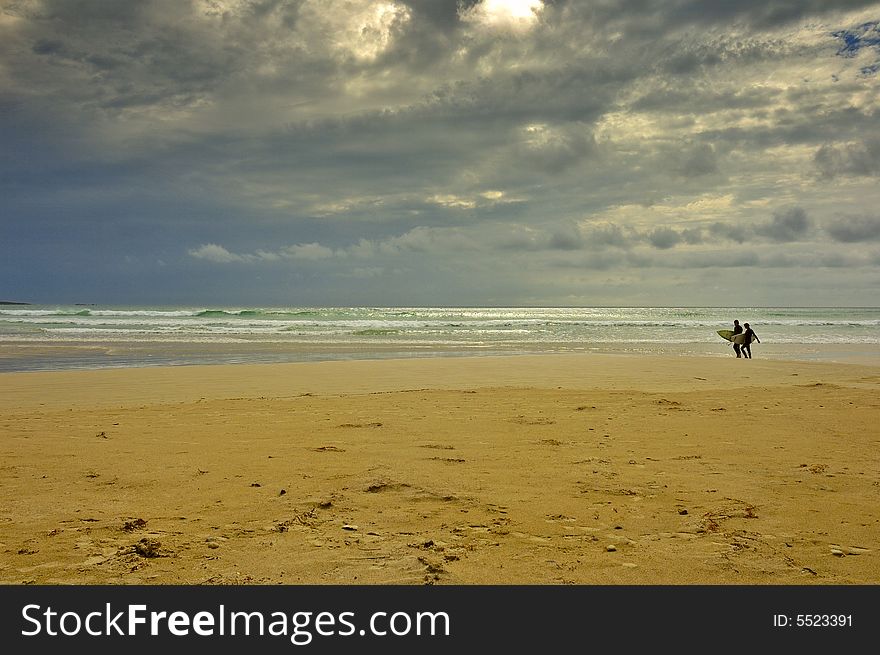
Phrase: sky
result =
(434, 152)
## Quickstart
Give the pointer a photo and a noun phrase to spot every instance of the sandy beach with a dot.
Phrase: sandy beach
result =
(554, 469)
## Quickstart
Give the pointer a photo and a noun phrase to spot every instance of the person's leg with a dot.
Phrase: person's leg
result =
(736, 349)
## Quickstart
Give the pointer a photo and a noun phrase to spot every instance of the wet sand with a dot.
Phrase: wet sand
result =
(586, 469)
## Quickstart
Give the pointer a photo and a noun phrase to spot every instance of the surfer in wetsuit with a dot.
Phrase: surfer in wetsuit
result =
(737, 329)
(750, 336)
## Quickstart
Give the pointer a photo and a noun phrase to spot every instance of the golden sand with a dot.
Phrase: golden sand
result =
(587, 469)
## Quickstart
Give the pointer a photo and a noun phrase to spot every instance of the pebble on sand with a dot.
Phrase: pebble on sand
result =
(611, 548)
(148, 548)
(134, 524)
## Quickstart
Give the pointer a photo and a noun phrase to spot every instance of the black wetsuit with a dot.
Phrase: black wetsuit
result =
(746, 347)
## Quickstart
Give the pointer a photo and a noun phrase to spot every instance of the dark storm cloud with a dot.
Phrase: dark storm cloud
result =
(609, 235)
(664, 238)
(787, 225)
(729, 230)
(577, 95)
(791, 224)
(696, 160)
(440, 15)
(854, 229)
(433, 30)
(567, 237)
(810, 125)
(849, 159)
(693, 236)
(327, 138)
(111, 55)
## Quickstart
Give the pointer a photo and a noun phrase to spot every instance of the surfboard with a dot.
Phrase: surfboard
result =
(726, 334)
(730, 336)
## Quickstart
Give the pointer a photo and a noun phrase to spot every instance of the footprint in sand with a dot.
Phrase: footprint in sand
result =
(533, 538)
(433, 569)
(523, 420)
(378, 487)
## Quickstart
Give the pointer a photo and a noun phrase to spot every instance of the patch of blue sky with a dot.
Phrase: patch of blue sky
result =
(866, 35)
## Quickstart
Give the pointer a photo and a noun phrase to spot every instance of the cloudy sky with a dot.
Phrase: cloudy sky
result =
(425, 152)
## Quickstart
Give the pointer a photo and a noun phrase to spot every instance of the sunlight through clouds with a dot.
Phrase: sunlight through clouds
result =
(511, 14)
(363, 29)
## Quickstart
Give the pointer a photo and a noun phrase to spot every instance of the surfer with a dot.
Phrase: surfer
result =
(749, 337)
(737, 329)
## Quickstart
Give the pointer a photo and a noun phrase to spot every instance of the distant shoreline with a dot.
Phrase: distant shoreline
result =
(52, 337)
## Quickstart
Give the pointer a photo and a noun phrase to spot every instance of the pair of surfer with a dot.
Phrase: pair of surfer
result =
(744, 350)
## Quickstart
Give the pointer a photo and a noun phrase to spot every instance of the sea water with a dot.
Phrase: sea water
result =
(37, 337)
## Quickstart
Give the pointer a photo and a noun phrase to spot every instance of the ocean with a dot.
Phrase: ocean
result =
(57, 337)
